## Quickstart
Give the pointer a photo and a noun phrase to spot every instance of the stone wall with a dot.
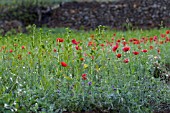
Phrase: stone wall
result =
(120, 14)
(136, 13)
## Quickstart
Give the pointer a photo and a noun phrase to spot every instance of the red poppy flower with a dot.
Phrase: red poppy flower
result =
(29, 53)
(75, 42)
(150, 47)
(155, 38)
(151, 39)
(102, 45)
(168, 32)
(118, 40)
(124, 43)
(77, 48)
(60, 40)
(63, 64)
(123, 38)
(84, 76)
(167, 39)
(90, 43)
(163, 35)
(10, 50)
(136, 42)
(158, 50)
(55, 50)
(131, 40)
(144, 50)
(135, 39)
(126, 60)
(118, 55)
(126, 48)
(135, 52)
(114, 48)
(23, 47)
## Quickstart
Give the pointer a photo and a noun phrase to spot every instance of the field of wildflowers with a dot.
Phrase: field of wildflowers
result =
(102, 71)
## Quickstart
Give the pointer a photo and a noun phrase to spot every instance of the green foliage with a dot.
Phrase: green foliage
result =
(24, 2)
(32, 78)
(41, 2)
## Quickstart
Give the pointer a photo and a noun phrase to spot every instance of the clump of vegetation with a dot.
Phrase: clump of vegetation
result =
(100, 70)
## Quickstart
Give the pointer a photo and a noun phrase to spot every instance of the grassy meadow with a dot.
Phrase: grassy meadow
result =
(57, 70)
